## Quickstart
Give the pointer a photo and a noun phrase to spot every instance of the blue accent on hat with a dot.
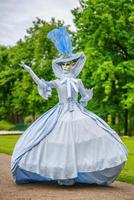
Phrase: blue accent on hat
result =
(61, 39)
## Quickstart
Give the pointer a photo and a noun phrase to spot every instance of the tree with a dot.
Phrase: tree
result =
(105, 31)
(19, 96)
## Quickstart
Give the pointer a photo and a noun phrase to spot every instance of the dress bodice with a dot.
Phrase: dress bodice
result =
(67, 88)
(66, 84)
(66, 91)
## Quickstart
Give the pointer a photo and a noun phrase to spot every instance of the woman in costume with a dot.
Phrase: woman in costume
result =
(68, 144)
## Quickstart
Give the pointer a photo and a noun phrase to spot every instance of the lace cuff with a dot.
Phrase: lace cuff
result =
(44, 89)
(86, 94)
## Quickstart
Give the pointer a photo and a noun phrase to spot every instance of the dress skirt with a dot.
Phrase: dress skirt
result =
(80, 146)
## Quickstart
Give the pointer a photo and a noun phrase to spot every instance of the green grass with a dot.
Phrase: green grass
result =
(127, 175)
(7, 143)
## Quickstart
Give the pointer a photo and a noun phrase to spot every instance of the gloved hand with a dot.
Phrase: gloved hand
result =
(34, 76)
(26, 67)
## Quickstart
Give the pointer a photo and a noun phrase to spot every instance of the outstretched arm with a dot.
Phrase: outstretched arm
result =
(86, 94)
(44, 87)
(34, 76)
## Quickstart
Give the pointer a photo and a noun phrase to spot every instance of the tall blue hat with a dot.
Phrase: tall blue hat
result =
(62, 41)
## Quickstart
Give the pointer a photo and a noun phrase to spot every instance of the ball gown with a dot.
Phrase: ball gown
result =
(68, 143)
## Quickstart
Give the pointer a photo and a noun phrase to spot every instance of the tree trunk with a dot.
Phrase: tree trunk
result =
(117, 121)
(126, 123)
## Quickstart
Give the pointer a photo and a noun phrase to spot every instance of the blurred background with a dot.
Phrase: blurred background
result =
(103, 29)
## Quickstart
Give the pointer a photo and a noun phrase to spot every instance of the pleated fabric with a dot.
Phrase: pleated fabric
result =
(34, 134)
(76, 145)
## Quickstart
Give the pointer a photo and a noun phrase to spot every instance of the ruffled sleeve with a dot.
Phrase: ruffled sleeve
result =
(86, 94)
(45, 88)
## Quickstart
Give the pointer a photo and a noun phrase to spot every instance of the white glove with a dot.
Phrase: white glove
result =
(34, 76)
(26, 67)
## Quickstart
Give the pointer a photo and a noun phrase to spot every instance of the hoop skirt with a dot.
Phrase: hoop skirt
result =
(68, 142)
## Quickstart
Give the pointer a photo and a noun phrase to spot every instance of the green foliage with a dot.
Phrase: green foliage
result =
(28, 120)
(18, 95)
(105, 32)
(5, 125)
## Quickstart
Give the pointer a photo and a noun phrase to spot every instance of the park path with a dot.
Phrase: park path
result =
(35, 191)
(11, 132)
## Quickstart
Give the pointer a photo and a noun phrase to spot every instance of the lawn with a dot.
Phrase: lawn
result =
(7, 143)
(127, 175)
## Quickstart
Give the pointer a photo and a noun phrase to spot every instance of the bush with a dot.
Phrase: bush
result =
(6, 125)
(21, 127)
(28, 120)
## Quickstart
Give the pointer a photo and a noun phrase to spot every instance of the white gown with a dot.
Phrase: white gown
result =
(68, 142)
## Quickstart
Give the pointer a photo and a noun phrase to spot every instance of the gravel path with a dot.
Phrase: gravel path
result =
(35, 191)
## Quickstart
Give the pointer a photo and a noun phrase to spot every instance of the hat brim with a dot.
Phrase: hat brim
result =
(57, 68)
(73, 57)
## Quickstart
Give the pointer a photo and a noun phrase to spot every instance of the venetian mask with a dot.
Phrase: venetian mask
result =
(68, 65)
